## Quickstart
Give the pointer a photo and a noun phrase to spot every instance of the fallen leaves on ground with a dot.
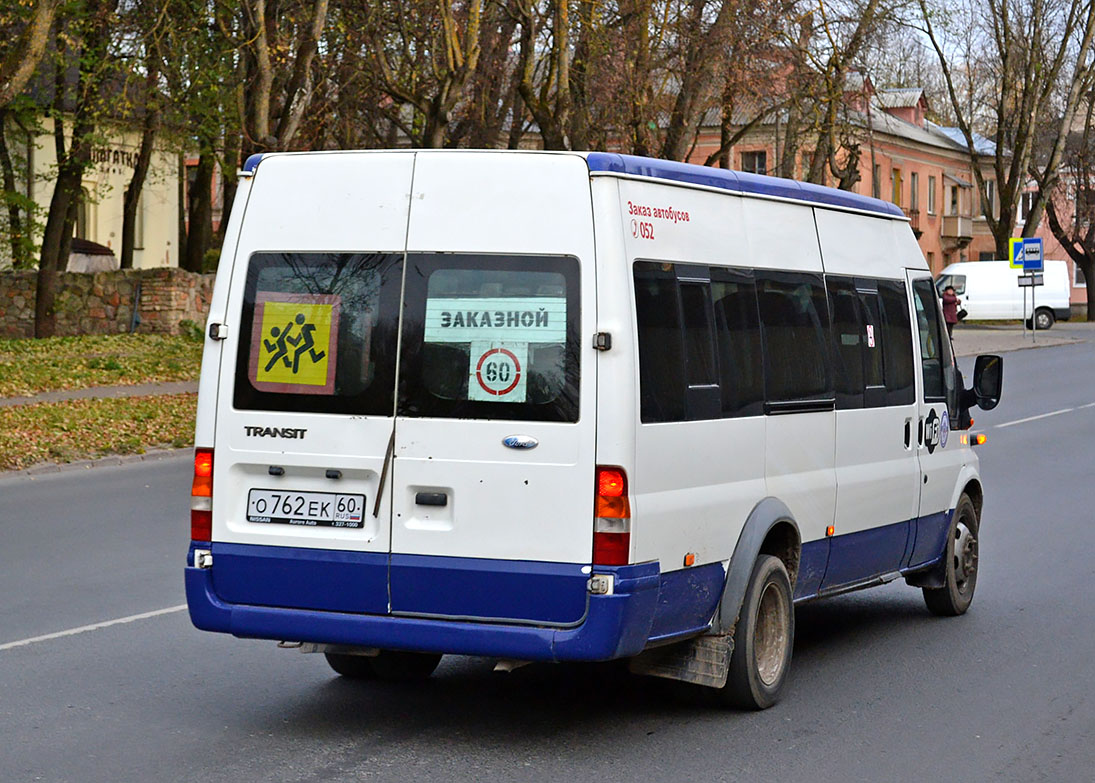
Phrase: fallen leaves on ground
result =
(88, 429)
(28, 367)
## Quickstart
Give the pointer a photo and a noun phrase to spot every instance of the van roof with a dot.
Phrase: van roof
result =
(738, 182)
(721, 179)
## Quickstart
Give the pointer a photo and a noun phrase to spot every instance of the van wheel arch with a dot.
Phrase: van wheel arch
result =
(769, 530)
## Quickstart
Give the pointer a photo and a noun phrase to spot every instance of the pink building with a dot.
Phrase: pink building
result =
(914, 163)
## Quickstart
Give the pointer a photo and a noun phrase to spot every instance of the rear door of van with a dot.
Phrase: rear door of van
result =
(492, 480)
(305, 401)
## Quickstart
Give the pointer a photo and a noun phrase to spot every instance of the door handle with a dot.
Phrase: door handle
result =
(431, 498)
(920, 433)
(908, 433)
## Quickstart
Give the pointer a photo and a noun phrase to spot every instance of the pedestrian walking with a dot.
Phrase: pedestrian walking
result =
(950, 309)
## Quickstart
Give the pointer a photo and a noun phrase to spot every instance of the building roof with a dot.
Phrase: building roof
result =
(981, 145)
(900, 97)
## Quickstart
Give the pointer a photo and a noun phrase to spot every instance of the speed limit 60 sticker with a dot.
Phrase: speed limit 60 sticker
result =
(498, 371)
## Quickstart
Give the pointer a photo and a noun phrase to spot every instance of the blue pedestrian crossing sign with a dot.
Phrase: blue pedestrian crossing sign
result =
(1026, 254)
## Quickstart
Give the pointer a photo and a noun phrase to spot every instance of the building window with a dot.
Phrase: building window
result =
(755, 162)
(954, 199)
(931, 195)
(876, 181)
(987, 255)
(896, 195)
(914, 191)
(931, 262)
(1026, 203)
(1078, 279)
(990, 197)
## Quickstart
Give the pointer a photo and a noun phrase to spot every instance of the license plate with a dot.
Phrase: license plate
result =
(311, 509)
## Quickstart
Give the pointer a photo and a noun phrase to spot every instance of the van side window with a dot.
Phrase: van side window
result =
(661, 346)
(795, 323)
(741, 357)
(931, 340)
(490, 337)
(317, 333)
(876, 348)
(849, 341)
(897, 338)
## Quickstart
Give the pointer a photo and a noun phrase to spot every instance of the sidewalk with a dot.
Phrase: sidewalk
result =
(104, 392)
(970, 340)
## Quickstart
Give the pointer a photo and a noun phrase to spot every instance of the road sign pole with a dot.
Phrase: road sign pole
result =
(1033, 312)
(1024, 310)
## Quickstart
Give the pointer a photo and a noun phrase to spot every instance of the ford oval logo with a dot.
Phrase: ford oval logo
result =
(520, 442)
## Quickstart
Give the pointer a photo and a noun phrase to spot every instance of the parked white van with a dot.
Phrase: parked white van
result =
(570, 407)
(990, 291)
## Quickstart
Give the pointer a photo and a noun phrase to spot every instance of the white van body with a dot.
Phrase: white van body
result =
(990, 291)
(498, 342)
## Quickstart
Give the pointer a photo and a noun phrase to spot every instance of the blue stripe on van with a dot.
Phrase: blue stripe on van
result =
(931, 538)
(857, 556)
(615, 626)
(736, 181)
(523, 591)
(812, 562)
(687, 601)
(324, 579)
(252, 162)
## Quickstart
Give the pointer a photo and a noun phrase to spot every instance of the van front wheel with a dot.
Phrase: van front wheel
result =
(956, 594)
(763, 638)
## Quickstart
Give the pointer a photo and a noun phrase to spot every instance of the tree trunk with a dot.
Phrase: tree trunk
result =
(18, 64)
(200, 234)
(15, 221)
(140, 171)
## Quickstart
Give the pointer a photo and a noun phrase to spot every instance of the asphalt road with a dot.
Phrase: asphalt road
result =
(879, 689)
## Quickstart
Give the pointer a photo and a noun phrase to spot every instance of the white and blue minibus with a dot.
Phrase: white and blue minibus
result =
(570, 407)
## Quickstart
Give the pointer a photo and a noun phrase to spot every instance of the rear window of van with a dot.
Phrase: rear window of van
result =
(490, 337)
(318, 333)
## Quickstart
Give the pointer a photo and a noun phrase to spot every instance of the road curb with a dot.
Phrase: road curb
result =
(47, 468)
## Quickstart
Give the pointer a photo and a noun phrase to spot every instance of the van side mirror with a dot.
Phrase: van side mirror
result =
(988, 378)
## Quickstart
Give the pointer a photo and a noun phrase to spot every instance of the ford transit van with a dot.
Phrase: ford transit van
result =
(570, 407)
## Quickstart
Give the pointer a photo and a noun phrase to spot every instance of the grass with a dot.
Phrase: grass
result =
(28, 367)
(87, 429)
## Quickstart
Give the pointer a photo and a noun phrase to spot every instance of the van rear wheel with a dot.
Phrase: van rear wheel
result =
(956, 594)
(1043, 319)
(355, 667)
(400, 666)
(763, 638)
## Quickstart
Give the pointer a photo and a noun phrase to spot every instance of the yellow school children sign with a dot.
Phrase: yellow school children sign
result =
(294, 343)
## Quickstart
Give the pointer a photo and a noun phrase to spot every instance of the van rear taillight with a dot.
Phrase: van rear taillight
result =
(201, 496)
(612, 522)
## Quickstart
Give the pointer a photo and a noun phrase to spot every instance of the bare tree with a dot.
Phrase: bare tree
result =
(1070, 202)
(22, 56)
(87, 27)
(1021, 55)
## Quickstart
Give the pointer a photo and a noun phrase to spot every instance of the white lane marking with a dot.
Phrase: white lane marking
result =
(93, 627)
(1089, 405)
(1034, 418)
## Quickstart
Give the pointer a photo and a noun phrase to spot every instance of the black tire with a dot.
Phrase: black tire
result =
(763, 639)
(399, 666)
(1044, 318)
(355, 667)
(956, 594)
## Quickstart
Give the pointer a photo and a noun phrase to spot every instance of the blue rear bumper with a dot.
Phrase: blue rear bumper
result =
(614, 626)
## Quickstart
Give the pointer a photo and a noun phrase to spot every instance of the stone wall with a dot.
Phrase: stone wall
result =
(102, 303)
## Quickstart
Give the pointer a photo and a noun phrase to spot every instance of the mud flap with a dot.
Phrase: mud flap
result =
(704, 660)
